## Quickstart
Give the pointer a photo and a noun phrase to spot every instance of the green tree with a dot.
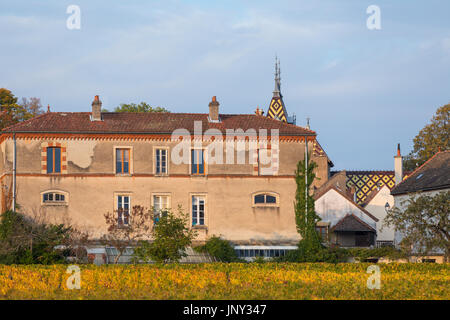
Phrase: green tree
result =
(141, 107)
(434, 136)
(171, 237)
(12, 112)
(424, 223)
(305, 215)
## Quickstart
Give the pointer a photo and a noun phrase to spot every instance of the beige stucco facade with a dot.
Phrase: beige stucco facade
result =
(91, 186)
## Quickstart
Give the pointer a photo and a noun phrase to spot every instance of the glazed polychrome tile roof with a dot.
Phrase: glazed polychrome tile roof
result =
(150, 123)
(365, 182)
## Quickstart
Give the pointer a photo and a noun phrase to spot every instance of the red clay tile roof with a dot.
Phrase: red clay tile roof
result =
(150, 123)
(432, 175)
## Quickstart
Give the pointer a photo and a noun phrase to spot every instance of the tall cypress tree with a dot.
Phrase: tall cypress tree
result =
(305, 214)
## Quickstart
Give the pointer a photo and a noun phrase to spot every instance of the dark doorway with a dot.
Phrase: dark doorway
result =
(362, 239)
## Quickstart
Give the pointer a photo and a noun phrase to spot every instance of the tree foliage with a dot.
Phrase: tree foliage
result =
(305, 214)
(12, 112)
(141, 107)
(434, 136)
(424, 223)
(25, 241)
(33, 106)
(171, 237)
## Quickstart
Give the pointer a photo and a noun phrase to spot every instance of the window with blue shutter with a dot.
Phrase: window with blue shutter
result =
(197, 162)
(53, 160)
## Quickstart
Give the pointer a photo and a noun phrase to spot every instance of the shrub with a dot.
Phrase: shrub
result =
(362, 254)
(221, 249)
(171, 237)
(24, 241)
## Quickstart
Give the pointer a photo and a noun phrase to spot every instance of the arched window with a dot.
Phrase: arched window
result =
(265, 199)
(54, 198)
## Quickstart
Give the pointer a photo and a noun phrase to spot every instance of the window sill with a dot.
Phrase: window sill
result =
(161, 174)
(200, 227)
(123, 174)
(57, 204)
(272, 205)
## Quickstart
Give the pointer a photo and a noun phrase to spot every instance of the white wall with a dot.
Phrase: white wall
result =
(332, 207)
(377, 208)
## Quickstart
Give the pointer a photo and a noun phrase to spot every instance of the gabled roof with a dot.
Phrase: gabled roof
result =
(351, 223)
(149, 123)
(366, 181)
(432, 175)
(372, 195)
(322, 191)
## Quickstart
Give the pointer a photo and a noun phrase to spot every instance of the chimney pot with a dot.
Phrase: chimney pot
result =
(96, 109)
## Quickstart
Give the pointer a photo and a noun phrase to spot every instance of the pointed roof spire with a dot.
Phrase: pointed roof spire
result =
(277, 110)
(276, 91)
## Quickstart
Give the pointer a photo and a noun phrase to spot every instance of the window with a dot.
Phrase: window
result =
(54, 198)
(323, 232)
(197, 162)
(198, 210)
(53, 160)
(123, 210)
(249, 253)
(160, 206)
(264, 198)
(161, 161)
(122, 160)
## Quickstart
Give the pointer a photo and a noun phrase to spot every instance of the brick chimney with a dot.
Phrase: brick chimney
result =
(214, 110)
(96, 109)
(398, 166)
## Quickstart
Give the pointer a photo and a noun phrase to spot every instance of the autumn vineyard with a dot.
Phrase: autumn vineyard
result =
(227, 281)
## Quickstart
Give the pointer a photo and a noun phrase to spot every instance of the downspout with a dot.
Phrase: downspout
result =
(14, 173)
(306, 178)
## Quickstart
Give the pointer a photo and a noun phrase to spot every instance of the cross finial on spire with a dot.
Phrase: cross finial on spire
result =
(307, 123)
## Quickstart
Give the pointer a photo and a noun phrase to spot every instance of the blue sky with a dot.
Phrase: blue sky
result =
(364, 90)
